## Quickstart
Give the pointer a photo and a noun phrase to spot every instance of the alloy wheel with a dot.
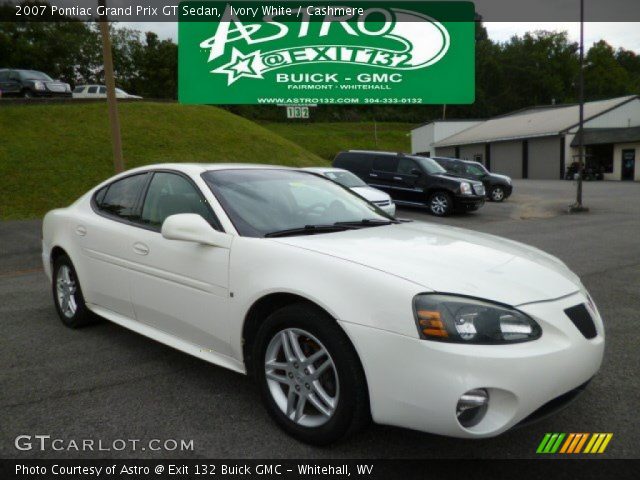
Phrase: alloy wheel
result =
(439, 204)
(497, 194)
(66, 291)
(301, 377)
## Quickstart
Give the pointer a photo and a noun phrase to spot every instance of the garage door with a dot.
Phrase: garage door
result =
(445, 152)
(544, 158)
(506, 158)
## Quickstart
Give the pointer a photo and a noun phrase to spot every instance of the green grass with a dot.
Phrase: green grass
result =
(51, 154)
(327, 139)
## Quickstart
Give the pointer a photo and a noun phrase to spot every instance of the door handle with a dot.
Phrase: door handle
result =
(140, 248)
(80, 230)
(373, 175)
(397, 178)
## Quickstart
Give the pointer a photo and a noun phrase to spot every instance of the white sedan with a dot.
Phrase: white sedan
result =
(100, 91)
(341, 313)
(347, 179)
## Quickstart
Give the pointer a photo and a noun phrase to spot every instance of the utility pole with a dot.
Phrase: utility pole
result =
(114, 121)
(578, 207)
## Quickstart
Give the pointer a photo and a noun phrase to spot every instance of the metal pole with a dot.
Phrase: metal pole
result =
(375, 131)
(581, 99)
(114, 121)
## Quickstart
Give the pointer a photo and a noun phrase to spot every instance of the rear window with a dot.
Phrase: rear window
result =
(121, 197)
(103, 89)
(386, 163)
(352, 161)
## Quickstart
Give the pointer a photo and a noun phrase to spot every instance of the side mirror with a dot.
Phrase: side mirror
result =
(416, 172)
(191, 227)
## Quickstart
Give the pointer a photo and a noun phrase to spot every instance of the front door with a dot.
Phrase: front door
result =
(178, 287)
(406, 180)
(628, 164)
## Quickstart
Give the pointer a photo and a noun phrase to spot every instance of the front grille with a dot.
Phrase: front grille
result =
(479, 189)
(582, 319)
(56, 87)
(382, 203)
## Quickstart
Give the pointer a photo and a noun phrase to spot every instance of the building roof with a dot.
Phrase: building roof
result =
(538, 121)
(598, 136)
(450, 120)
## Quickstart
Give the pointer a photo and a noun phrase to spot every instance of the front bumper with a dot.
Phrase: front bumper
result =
(468, 202)
(50, 94)
(416, 384)
(389, 209)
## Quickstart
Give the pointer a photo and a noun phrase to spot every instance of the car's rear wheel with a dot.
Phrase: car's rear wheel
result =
(67, 295)
(440, 204)
(497, 194)
(309, 375)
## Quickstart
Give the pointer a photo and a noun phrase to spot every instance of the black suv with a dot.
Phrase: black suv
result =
(498, 187)
(412, 180)
(30, 84)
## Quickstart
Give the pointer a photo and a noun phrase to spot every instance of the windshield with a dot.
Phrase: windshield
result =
(346, 179)
(33, 75)
(431, 166)
(263, 202)
(119, 90)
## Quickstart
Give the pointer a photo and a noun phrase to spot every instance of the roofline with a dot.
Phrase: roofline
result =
(503, 139)
(634, 97)
(446, 120)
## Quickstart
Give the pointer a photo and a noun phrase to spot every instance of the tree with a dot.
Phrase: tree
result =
(604, 77)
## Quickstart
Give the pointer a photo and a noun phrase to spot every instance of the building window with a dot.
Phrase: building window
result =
(477, 158)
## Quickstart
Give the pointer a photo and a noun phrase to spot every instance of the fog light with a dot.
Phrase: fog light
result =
(472, 407)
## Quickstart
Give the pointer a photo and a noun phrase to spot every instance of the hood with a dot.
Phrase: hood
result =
(372, 194)
(451, 260)
(458, 178)
(501, 177)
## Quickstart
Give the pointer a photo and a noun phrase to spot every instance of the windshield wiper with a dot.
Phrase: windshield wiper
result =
(308, 230)
(366, 222)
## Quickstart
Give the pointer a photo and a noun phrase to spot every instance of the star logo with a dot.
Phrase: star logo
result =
(241, 66)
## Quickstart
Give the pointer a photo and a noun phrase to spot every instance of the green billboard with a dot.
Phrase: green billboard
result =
(342, 52)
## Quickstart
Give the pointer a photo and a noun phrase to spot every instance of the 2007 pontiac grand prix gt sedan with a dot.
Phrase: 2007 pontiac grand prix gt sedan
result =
(341, 313)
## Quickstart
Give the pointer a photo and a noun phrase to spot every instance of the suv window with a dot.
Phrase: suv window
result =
(121, 197)
(103, 90)
(4, 75)
(405, 165)
(170, 194)
(78, 89)
(92, 90)
(385, 163)
(13, 75)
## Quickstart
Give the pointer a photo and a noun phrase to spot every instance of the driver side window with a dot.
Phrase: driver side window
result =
(170, 194)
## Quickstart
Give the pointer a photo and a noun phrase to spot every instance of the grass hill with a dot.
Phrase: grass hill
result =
(327, 139)
(52, 153)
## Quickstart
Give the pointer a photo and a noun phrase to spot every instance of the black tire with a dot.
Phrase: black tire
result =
(440, 204)
(497, 194)
(27, 94)
(81, 315)
(351, 412)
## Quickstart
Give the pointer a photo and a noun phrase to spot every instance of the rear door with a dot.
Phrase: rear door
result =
(105, 236)
(383, 170)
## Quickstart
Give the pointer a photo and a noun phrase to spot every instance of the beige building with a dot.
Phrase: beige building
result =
(540, 142)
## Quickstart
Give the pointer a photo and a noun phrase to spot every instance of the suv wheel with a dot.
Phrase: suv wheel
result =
(27, 94)
(309, 375)
(440, 204)
(67, 295)
(497, 194)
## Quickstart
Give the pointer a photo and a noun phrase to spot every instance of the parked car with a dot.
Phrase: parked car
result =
(336, 309)
(31, 84)
(413, 180)
(99, 91)
(589, 172)
(347, 179)
(498, 187)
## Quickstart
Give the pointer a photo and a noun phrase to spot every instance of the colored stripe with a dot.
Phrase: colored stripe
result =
(595, 447)
(550, 443)
(568, 442)
(591, 442)
(543, 443)
(605, 443)
(584, 439)
(575, 442)
(558, 442)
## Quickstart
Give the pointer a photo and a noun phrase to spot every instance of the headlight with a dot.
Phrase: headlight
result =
(449, 318)
(465, 188)
(38, 85)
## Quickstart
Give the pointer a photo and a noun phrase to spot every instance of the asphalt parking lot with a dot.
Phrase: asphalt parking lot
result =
(107, 383)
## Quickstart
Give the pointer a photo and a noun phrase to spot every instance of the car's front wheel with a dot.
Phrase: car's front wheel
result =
(67, 295)
(440, 204)
(309, 375)
(497, 194)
